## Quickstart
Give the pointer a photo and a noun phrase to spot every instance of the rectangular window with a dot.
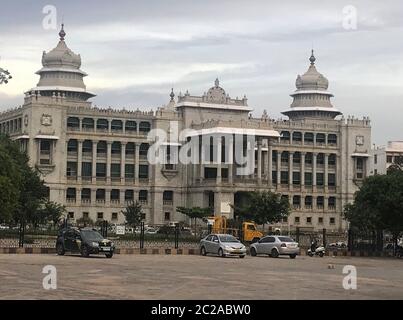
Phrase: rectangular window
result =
(320, 202)
(296, 178)
(71, 215)
(332, 180)
(71, 170)
(129, 171)
(115, 170)
(114, 216)
(319, 179)
(100, 215)
(86, 169)
(332, 220)
(274, 177)
(308, 178)
(296, 219)
(129, 195)
(309, 220)
(308, 158)
(167, 216)
(101, 170)
(320, 220)
(284, 177)
(143, 195)
(115, 195)
(389, 159)
(143, 171)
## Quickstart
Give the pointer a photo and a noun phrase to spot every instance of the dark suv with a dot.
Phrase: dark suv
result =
(85, 241)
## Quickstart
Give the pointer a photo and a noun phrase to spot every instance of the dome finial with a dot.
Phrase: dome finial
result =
(217, 82)
(172, 95)
(312, 58)
(62, 34)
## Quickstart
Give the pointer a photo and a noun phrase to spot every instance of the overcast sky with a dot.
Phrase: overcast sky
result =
(135, 51)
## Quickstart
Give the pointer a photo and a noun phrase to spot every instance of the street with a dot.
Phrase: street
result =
(195, 277)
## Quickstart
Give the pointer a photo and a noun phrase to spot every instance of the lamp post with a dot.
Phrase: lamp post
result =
(4, 76)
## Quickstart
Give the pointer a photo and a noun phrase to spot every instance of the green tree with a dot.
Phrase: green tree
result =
(195, 213)
(134, 214)
(85, 222)
(378, 205)
(52, 211)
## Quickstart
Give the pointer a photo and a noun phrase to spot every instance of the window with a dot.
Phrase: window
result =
(115, 195)
(375, 159)
(131, 126)
(320, 179)
(297, 136)
(331, 202)
(389, 159)
(332, 220)
(268, 240)
(86, 215)
(130, 148)
(72, 146)
(320, 220)
(102, 125)
(144, 127)
(296, 158)
(309, 220)
(100, 195)
(331, 180)
(360, 164)
(274, 177)
(71, 215)
(296, 219)
(143, 195)
(332, 139)
(320, 159)
(285, 136)
(308, 158)
(129, 171)
(296, 201)
(114, 216)
(284, 157)
(168, 197)
(100, 216)
(88, 123)
(71, 170)
(308, 202)
(331, 160)
(296, 178)
(73, 123)
(71, 194)
(274, 156)
(210, 173)
(308, 137)
(116, 125)
(284, 177)
(101, 147)
(116, 147)
(86, 169)
(129, 195)
(144, 149)
(308, 178)
(101, 170)
(115, 170)
(167, 216)
(320, 202)
(86, 194)
(143, 171)
(320, 138)
(87, 146)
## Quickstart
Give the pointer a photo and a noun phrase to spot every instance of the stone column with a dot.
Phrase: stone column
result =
(314, 156)
(259, 161)
(108, 161)
(303, 169)
(290, 170)
(78, 196)
(79, 160)
(94, 161)
(202, 159)
(136, 162)
(122, 162)
(231, 159)
(219, 166)
(278, 168)
(270, 165)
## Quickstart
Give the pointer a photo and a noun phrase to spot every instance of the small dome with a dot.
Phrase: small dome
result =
(312, 79)
(216, 94)
(61, 56)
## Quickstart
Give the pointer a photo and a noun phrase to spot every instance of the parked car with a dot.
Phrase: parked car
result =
(275, 246)
(85, 241)
(223, 245)
(4, 227)
(150, 230)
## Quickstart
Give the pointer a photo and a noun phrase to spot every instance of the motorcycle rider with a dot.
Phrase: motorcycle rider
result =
(314, 245)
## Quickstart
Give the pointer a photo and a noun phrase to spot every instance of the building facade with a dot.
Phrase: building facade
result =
(95, 161)
(385, 156)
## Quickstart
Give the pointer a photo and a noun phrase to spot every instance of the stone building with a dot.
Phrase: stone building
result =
(385, 156)
(95, 160)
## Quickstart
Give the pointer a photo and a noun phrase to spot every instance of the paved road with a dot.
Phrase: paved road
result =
(196, 277)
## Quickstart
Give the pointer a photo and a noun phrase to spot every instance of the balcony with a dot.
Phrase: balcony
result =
(168, 202)
(71, 200)
(85, 202)
(115, 202)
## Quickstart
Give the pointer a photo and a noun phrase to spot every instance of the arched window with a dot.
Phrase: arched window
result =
(308, 137)
(116, 125)
(332, 139)
(72, 146)
(131, 126)
(320, 138)
(297, 136)
(130, 148)
(87, 146)
(284, 157)
(116, 147)
(144, 126)
(102, 124)
(144, 149)
(101, 147)
(73, 123)
(88, 123)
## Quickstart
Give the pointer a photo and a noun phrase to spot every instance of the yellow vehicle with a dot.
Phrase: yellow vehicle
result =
(219, 224)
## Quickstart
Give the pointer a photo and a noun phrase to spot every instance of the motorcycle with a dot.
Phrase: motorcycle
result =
(319, 251)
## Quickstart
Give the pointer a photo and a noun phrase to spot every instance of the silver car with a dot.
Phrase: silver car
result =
(223, 245)
(275, 246)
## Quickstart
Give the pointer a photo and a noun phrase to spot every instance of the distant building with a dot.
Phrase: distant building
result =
(383, 157)
(94, 160)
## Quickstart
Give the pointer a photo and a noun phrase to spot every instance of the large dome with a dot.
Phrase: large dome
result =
(216, 94)
(312, 79)
(61, 56)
